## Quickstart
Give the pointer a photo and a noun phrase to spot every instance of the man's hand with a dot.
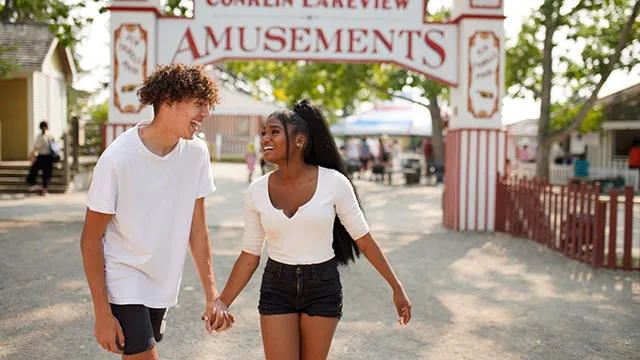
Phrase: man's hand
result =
(217, 316)
(107, 329)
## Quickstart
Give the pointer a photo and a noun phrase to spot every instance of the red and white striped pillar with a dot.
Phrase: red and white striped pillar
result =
(475, 142)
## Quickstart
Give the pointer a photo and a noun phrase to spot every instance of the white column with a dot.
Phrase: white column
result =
(476, 149)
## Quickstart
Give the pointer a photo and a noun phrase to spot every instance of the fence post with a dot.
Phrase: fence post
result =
(500, 202)
(580, 223)
(599, 209)
(567, 220)
(589, 224)
(628, 222)
(65, 159)
(613, 225)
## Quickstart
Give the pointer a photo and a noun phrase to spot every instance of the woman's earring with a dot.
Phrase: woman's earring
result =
(300, 145)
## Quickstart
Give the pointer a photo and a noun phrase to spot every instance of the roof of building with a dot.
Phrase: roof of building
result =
(620, 96)
(30, 45)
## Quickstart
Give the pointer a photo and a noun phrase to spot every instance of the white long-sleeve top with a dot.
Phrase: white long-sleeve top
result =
(306, 237)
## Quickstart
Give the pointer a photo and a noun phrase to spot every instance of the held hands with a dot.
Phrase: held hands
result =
(403, 306)
(217, 316)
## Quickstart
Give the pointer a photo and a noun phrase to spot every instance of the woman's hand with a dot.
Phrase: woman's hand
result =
(403, 306)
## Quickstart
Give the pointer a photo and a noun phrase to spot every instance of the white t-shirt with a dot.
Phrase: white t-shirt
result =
(152, 199)
(306, 237)
(42, 144)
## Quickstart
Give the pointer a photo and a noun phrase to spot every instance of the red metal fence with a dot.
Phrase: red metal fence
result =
(575, 220)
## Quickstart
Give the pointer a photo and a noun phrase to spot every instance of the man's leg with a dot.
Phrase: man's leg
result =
(140, 338)
(151, 354)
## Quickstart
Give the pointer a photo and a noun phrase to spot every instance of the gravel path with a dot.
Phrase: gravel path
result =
(476, 296)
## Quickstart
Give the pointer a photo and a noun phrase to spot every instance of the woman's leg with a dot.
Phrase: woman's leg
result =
(281, 336)
(316, 333)
(33, 172)
(47, 169)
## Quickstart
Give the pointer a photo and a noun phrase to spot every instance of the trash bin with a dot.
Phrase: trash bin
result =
(411, 170)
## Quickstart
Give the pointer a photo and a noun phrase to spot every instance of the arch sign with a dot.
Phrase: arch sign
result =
(466, 54)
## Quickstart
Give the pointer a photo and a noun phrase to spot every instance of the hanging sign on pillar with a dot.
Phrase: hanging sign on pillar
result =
(484, 74)
(130, 47)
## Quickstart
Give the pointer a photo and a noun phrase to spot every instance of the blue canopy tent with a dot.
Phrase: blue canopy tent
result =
(389, 120)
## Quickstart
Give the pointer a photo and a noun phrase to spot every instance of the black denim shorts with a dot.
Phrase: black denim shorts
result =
(311, 289)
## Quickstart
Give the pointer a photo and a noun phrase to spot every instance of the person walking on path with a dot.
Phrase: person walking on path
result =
(250, 159)
(41, 158)
(145, 208)
(311, 218)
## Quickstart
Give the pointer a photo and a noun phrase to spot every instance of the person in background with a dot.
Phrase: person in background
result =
(581, 166)
(41, 158)
(250, 159)
(634, 156)
(427, 150)
(365, 157)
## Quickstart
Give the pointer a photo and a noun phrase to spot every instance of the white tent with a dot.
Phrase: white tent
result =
(392, 120)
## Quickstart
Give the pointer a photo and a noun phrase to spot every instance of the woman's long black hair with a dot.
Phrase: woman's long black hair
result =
(320, 150)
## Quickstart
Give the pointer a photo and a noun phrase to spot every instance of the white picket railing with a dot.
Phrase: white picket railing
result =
(560, 174)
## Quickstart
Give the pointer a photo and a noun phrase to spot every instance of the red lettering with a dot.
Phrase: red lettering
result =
(255, 3)
(321, 37)
(377, 35)
(191, 46)
(436, 47)
(337, 4)
(278, 38)
(386, 5)
(242, 44)
(352, 4)
(295, 38)
(353, 39)
(306, 3)
(212, 2)
(210, 37)
(365, 3)
(410, 34)
(324, 3)
(401, 4)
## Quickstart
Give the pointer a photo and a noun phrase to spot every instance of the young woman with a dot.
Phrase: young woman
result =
(41, 159)
(310, 215)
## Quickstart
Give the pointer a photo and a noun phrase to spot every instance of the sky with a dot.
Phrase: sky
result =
(93, 52)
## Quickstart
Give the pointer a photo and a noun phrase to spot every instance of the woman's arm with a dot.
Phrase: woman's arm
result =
(369, 247)
(242, 271)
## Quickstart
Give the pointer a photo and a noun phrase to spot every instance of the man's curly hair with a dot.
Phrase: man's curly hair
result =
(177, 82)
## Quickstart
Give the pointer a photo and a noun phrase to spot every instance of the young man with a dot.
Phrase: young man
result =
(146, 206)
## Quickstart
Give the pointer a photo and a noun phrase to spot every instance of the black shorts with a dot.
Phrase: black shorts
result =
(143, 327)
(311, 289)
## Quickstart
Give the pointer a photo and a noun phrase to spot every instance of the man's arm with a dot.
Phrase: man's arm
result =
(107, 326)
(216, 314)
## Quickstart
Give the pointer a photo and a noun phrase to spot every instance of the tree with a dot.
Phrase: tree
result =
(335, 87)
(391, 79)
(63, 18)
(7, 66)
(606, 32)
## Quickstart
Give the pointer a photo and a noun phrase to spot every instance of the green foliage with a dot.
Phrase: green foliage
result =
(588, 31)
(63, 20)
(563, 114)
(7, 66)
